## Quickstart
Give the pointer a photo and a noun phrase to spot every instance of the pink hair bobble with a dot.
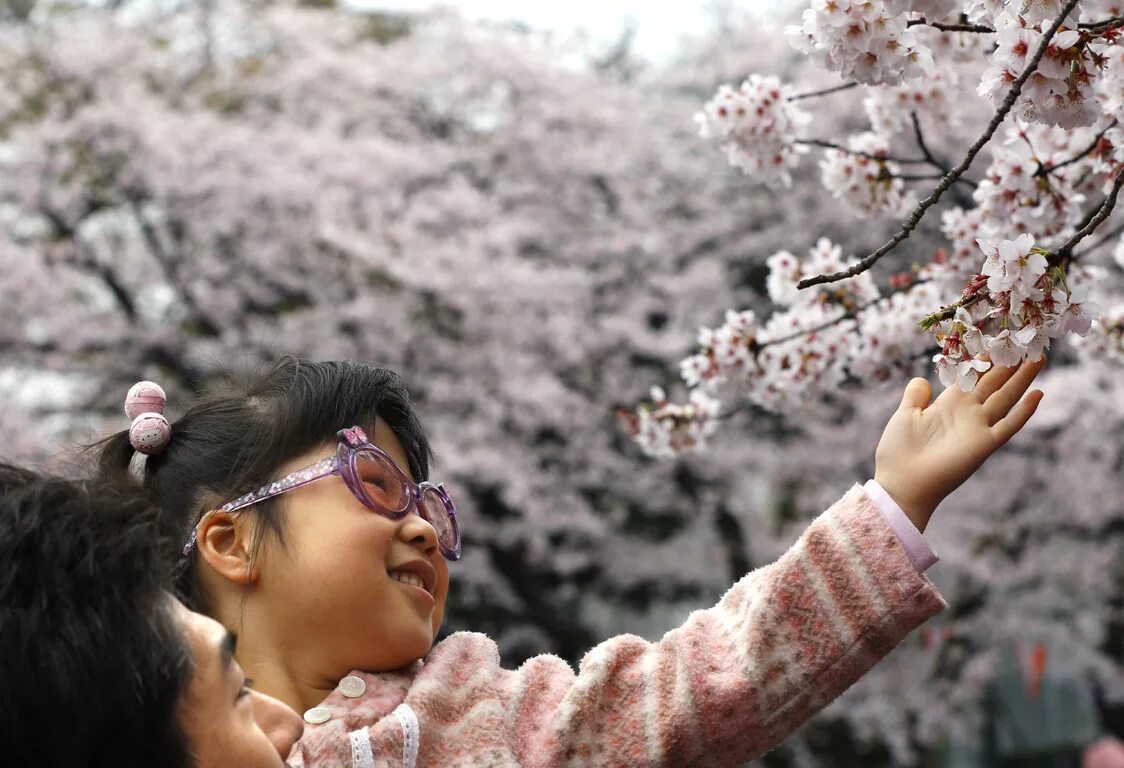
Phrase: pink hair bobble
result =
(150, 431)
(145, 397)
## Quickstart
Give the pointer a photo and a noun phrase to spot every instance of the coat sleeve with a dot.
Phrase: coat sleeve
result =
(734, 680)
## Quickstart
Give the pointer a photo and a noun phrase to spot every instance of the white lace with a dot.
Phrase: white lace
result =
(361, 755)
(411, 734)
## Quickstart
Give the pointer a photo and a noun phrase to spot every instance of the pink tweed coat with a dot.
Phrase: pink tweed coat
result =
(728, 685)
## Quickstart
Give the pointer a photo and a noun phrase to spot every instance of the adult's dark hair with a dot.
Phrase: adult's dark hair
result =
(235, 436)
(92, 660)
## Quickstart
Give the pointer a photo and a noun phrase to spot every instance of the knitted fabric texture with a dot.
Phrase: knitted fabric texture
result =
(725, 687)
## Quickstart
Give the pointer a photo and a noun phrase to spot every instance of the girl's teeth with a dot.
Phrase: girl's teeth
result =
(408, 578)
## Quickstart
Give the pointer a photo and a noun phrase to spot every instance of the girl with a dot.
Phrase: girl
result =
(310, 530)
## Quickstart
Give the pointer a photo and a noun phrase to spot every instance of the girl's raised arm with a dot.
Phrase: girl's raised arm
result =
(735, 680)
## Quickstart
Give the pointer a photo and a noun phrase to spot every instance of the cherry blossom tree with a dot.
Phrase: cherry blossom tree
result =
(523, 237)
(1031, 257)
(1049, 75)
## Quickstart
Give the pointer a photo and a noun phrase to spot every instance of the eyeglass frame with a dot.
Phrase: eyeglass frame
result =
(351, 441)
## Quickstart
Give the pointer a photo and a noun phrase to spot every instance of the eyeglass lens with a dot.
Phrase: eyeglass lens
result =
(384, 489)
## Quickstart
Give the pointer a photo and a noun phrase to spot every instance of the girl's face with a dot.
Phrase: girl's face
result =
(338, 593)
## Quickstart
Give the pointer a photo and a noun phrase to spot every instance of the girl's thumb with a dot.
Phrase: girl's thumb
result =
(917, 394)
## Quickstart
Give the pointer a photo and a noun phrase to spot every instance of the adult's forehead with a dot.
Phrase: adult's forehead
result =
(205, 636)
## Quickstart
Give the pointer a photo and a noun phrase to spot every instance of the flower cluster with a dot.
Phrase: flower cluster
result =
(863, 40)
(863, 178)
(798, 352)
(1026, 304)
(1033, 11)
(1031, 185)
(1105, 340)
(934, 99)
(954, 266)
(890, 337)
(757, 126)
(664, 429)
(1062, 89)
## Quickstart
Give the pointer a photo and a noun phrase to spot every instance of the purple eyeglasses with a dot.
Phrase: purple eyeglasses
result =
(374, 479)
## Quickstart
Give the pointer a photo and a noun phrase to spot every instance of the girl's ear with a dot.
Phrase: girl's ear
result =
(224, 543)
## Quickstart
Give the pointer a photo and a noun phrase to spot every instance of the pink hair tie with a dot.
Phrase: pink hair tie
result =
(150, 431)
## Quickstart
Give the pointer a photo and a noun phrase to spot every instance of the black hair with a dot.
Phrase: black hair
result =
(234, 437)
(92, 659)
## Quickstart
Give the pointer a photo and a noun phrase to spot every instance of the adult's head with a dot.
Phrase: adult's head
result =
(100, 665)
(313, 581)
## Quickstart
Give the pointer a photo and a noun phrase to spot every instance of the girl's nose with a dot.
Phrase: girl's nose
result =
(415, 529)
(280, 723)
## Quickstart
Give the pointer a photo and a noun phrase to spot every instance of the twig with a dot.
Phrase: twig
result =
(932, 158)
(824, 92)
(1108, 238)
(949, 312)
(1102, 26)
(943, 27)
(854, 313)
(922, 145)
(831, 145)
(1065, 252)
(926, 177)
(919, 212)
(1045, 169)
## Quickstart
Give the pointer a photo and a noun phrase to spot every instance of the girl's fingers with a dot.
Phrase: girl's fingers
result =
(1015, 384)
(917, 394)
(990, 382)
(1009, 425)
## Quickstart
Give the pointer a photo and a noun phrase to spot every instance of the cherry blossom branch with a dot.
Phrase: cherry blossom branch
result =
(824, 92)
(851, 315)
(947, 313)
(1100, 27)
(1046, 169)
(889, 158)
(940, 165)
(945, 27)
(920, 137)
(925, 177)
(919, 211)
(1066, 251)
(1108, 238)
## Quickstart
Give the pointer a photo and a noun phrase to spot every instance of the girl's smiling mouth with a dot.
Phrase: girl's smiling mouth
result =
(417, 574)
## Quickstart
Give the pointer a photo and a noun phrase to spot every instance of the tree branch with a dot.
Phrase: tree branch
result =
(1065, 253)
(824, 92)
(858, 153)
(1045, 169)
(152, 240)
(943, 27)
(919, 212)
(854, 313)
(1100, 27)
(1112, 235)
(947, 313)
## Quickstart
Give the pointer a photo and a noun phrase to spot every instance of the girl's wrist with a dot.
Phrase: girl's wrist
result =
(919, 512)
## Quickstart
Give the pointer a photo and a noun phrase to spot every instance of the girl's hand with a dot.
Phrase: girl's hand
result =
(928, 450)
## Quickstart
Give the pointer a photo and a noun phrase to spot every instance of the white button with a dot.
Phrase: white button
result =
(352, 687)
(317, 715)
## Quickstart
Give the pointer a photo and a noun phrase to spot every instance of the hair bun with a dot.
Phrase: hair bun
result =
(145, 397)
(150, 433)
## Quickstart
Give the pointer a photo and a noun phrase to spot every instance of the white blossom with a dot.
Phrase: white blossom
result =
(756, 126)
(864, 179)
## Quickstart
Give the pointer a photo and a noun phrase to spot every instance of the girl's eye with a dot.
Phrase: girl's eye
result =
(244, 691)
